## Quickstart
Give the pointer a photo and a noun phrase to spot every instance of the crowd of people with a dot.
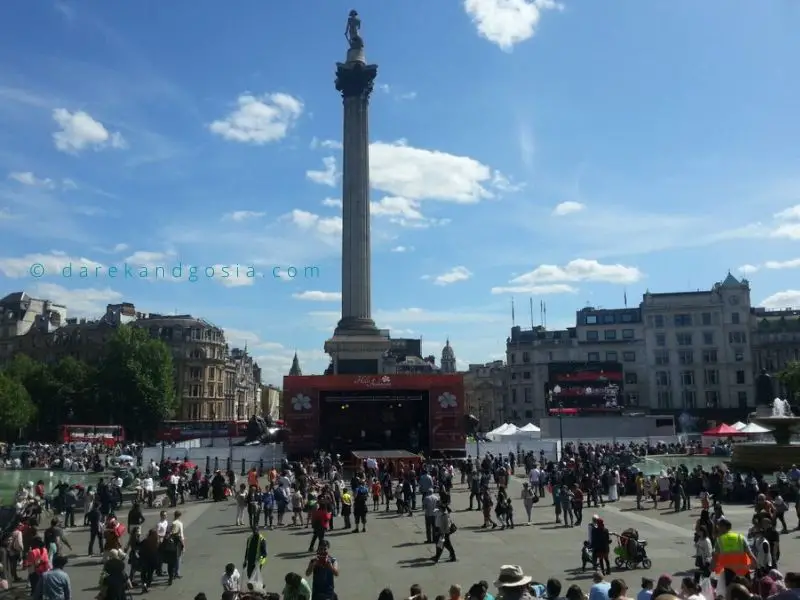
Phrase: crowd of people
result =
(317, 495)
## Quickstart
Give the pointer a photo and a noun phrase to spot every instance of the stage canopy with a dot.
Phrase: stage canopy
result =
(500, 430)
(530, 427)
(738, 426)
(753, 428)
(722, 431)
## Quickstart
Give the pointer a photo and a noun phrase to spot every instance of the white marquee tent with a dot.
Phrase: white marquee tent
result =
(530, 427)
(754, 429)
(738, 426)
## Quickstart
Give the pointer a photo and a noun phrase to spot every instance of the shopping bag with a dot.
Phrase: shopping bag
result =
(255, 580)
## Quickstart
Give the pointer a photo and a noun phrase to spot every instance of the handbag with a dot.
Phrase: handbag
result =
(453, 528)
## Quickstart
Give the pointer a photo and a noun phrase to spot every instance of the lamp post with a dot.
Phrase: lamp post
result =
(213, 426)
(556, 391)
(478, 431)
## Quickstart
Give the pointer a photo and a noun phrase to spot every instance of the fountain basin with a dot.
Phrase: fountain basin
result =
(765, 457)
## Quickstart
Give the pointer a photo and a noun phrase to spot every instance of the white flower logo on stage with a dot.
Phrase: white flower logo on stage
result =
(448, 400)
(301, 402)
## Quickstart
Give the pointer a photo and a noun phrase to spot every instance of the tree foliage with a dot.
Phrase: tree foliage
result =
(790, 377)
(131, 385)
(16, 408)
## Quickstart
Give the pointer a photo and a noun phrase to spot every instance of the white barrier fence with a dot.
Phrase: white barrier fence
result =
(217, 457)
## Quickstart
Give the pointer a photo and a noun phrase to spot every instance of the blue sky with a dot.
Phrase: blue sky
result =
(567, 152)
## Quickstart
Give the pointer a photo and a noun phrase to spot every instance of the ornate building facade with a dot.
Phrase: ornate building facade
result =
(775, 336)
(485, 391)
(212, 381)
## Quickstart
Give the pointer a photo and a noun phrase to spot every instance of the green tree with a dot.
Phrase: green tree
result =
(16, 408)
(74, 394)
(790, 377)
(135, 382)
(36, 379)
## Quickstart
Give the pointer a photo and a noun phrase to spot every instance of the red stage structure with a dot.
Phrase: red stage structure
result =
(346, 413)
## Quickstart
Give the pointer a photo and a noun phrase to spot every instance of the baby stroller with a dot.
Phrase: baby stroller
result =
(631, 551)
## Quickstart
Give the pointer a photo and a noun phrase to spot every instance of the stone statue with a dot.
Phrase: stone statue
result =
(256, 429)
(765, 393)
(351, 33)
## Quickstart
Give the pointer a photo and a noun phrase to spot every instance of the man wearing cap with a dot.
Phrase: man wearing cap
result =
(512, 584)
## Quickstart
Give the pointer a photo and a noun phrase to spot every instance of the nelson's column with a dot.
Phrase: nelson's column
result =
(358, 347)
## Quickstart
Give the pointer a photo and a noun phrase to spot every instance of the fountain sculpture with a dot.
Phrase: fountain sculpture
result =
(775, 414)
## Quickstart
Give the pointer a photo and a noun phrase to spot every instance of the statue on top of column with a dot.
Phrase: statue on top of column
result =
(351, 33)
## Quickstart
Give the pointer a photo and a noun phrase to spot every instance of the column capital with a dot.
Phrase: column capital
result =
(355, 79)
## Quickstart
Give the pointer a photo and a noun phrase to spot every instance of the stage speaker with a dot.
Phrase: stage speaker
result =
(471, 423)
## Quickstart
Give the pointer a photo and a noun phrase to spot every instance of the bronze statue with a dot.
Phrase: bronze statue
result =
(765, 392)
(351, 32)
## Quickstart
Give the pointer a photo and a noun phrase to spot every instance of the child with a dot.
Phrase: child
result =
(376, 494)
(705, 499)
(509, 513)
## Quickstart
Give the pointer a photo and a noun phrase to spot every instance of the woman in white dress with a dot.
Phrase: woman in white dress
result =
(613, 486)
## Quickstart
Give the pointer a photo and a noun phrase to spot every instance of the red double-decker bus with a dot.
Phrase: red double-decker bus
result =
(109, 435)
(177, 431)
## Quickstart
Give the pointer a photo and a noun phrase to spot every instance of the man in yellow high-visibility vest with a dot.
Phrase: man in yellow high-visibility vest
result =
(732, 556)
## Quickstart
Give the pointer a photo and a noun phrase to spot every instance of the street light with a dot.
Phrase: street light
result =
(556, 391)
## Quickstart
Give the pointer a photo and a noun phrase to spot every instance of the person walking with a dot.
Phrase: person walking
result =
(444, 529)
(255, 554)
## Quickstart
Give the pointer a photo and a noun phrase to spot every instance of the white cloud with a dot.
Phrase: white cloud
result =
(243, 215)
(41, 265)
(413, 316)
(316, 296)
(86, 302)
(334, 202)
(328, 175)
(395, 206)
(507, 22)
(790, 214)
(567, 208)
(580, 269)
(785, 299)
(259, 119)
(418, 174)
(538, 290)
(79, 131)
(327, 144)
(747, 269)
(28, 178)
(325, 226)
(454, 275)
(789, 231)
(402, 249)
(232, 276)
(785, 264)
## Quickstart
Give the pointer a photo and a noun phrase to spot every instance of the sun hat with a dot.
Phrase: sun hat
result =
(511, 576)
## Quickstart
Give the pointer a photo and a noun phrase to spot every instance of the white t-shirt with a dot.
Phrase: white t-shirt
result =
(161, 528)
(177, 527)
(534, 476)
(149, 486)
(230, 583)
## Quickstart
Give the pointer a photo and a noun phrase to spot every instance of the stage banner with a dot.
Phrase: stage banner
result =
(447, 410)
(301, 413)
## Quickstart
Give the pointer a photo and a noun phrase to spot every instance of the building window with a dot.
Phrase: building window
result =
(664, 399)
(528, 414)
(740, 378)
(685, 357)
(683, 320)
(611, 356)
(708, 338)
(593, 357)
(658, 321)
(627, 334)
(609, 319)
(706, 319)
(662, 378)
(687, 378)
(735, 318)
(661, 339)
(710, 357)
(712, 399)
(627, 318)
(629, 356)
(526, 357)
(513, 395)
(513, 358)
(550, 356)
(689, 398)
(528, 395)
(738, 355)
(591, 319)
(592, 336)
(610, 334)
(633, 399)
(526, 374)
(683, 339)
(742, 398)
(661, 357)
(711, 377)
(631, 378)
(737, 337)
(513, 376)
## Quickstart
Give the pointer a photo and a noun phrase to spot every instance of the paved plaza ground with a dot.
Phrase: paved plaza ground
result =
(393, 554)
